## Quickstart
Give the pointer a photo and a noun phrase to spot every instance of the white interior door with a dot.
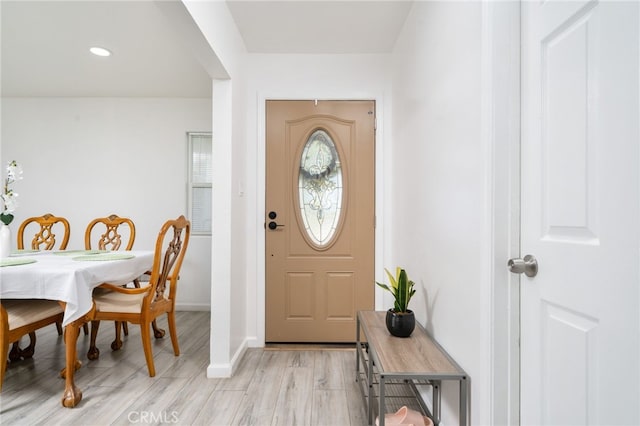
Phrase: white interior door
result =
(580, 325)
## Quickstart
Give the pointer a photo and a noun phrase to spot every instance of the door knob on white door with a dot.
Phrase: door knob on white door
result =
(528, 265)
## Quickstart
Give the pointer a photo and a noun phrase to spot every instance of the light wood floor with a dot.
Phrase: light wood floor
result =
(271, 387)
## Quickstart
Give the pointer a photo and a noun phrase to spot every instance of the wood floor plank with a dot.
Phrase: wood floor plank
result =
(295, 398)
(97, 407)
(302, 359)
(152, 404)
(329, 407)
(259, 401)
(326, 376)
(244, 374)
(18, 408)
(189, 402)
(220, 408)
(357, 409)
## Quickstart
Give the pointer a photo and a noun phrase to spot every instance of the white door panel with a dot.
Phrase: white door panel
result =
(580, 215)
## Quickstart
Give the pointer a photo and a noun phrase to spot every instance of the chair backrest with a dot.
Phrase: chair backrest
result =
(113, 233)
(169, 254)
(45, 235)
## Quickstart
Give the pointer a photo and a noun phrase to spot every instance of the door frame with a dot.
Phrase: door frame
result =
(501, 118)
(380, 154)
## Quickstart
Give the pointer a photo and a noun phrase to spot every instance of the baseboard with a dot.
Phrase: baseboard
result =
(252, 342)
(199, 307)
(215, 371)
(227, 369)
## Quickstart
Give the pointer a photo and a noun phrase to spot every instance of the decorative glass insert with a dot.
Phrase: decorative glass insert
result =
(320, 187)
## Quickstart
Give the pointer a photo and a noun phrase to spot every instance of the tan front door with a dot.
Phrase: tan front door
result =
(319, 218)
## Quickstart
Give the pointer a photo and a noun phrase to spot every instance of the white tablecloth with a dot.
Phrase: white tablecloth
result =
(59, 277)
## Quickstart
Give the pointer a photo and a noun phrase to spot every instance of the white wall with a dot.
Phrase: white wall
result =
(90, 157)
(229, 309)
(441, 179)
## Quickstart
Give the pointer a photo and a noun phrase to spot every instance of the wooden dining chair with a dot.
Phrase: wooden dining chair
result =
(24, 316)
(45, 237)
(143, 305)
(110, 233)
(50, 233)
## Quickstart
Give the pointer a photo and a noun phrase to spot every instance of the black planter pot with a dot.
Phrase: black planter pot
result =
(400, 324)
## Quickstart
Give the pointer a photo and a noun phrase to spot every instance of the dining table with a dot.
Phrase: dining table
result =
(69, 277)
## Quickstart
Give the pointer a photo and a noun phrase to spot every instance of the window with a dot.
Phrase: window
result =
(200, 180)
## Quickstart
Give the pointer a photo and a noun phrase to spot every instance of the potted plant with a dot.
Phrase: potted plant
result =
(400, 320)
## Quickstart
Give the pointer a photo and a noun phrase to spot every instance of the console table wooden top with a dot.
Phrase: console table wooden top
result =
(417, 354)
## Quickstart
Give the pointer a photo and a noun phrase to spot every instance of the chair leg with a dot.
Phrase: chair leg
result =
(146, 345)
(158, 333)
(171, 318)
(14, 355)
(29, 350)
(85, 327)
(4, 346)
(59, 327)
(94, 352)
(125, 325)
(117, 343)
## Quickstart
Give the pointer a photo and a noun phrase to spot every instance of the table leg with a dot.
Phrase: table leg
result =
(72, 394)
(436, 401)
(381, 405)
(463, 401)
(358, 348)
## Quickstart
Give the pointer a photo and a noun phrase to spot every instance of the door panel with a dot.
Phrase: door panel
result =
(320, 187)
(580, 194)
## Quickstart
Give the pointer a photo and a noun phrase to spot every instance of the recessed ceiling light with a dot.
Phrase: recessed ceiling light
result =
(100, 51)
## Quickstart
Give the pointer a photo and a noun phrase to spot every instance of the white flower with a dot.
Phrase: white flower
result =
(14, 172)
(10, 202)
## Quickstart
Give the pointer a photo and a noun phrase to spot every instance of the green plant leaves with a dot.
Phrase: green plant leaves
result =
(6, 218)
(401, 288)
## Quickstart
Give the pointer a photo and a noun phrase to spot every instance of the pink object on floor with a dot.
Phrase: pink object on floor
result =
(405, 417)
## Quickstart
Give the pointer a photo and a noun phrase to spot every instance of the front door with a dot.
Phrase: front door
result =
(580, 326)
(319, 218)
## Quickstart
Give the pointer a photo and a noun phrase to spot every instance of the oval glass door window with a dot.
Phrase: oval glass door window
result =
(320, 188)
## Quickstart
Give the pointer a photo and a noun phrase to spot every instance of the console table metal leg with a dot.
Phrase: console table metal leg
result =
(437, 397)
(370, 381)
(381, 409)
(464, 384)
(358, 348)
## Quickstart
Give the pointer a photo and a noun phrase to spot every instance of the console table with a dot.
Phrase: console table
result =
(384, 361)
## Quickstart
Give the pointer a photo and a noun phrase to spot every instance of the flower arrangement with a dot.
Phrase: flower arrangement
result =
(9, 202)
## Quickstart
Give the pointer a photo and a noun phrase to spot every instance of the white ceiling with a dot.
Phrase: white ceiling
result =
(319, 26)
(44, 44)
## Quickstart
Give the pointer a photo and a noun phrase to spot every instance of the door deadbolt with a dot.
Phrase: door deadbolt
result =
(272, 225)
(528, 265)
